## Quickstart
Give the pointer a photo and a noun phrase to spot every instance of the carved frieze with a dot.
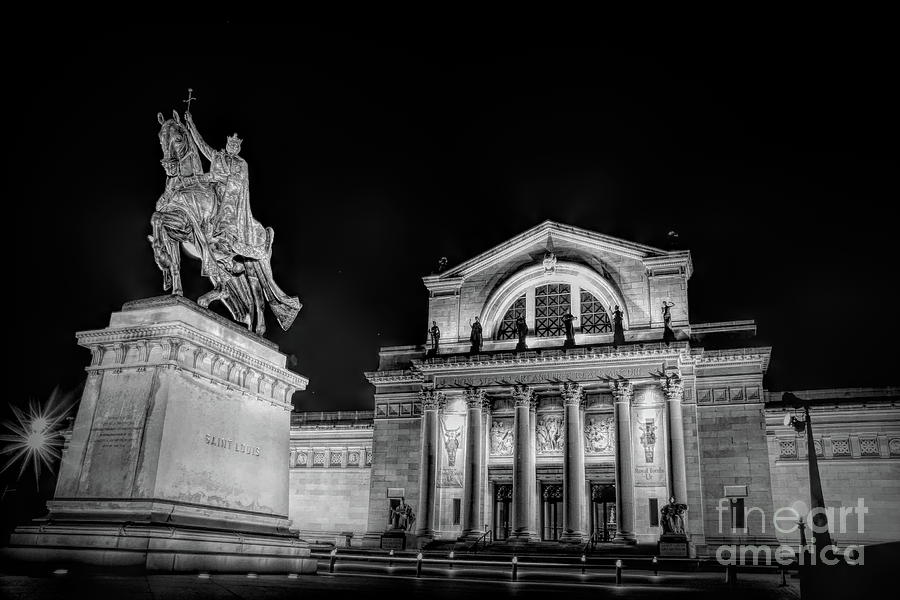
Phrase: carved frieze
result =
(182, 347)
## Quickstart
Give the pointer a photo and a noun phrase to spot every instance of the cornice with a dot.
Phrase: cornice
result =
(608, 355)
(734, 357)
(397, 376)
(182, 348)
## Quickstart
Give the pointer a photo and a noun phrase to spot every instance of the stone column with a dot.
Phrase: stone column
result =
(471, 515)
(674, 391)
(487, 504)
(573, 465)
(431, 400)
(623, 392)
(524, 476)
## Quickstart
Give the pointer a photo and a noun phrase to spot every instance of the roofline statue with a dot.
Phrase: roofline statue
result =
(208, 215)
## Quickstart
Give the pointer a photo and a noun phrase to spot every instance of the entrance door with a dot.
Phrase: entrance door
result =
(551, 511)
(502, 511)
(603, 511)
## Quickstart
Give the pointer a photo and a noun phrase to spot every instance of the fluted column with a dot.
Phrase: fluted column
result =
(674, 391)
(431, 401)
(573, 465)
(524, 478)
(487, 503)
(471, 527)
(623, 392)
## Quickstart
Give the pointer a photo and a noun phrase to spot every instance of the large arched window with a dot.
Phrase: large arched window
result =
(551, 302)
(543, 296)
(507, 330)
(594, 318)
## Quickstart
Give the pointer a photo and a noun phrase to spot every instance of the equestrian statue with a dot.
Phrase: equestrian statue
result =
(208, 215)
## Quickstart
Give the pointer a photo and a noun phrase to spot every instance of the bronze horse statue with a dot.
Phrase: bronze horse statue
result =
(187, 215)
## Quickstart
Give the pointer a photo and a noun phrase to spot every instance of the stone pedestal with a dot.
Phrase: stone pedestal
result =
(674, 545)
(393, 539)
(178, 460)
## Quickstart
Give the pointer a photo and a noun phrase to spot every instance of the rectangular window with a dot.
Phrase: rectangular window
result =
(551, 303)
(654, 512)
(737, 514)
(456, 510)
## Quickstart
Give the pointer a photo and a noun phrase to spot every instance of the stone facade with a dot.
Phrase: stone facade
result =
(330, 470)
(561, 443)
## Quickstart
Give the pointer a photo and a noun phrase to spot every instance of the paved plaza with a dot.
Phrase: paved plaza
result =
(344, 585)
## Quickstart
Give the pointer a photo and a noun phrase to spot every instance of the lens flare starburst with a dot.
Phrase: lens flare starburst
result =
(35, 437)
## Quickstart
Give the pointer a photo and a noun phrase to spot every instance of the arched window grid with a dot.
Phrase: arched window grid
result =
(594, 318)
(507, 329)
(551, 302)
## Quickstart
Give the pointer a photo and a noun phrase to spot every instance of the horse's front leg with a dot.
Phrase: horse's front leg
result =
(259, 306)
(175, 267)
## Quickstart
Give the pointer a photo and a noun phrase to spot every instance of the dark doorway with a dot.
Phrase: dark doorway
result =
(603, 511)
(551, 511)
(502, 511)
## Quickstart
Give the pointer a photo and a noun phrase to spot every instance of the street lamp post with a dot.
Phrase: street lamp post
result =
(821, 536)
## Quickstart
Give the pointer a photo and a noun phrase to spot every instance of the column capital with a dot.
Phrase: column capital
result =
(572, 393)
(672, 387)
(622, 390)
(475, 397)
(432, 399)
(523, 395)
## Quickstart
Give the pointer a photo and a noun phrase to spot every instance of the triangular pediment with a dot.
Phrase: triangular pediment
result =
(548, 236)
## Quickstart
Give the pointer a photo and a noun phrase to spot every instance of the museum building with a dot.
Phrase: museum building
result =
(589, 399)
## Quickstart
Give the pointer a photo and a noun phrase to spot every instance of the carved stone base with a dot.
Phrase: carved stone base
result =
(393, 539)
(156, 548)
(179, 448)
(522, 537)
(571, 537)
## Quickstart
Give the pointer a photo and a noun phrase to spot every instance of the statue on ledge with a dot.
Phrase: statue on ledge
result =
(568, 319)
(522, 331)
(618, 329)
(673, 517)
(475, 337)
(668, 333)
(208, 214)
(435, 333)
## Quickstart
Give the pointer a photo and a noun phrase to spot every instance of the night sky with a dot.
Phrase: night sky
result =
(372, 157)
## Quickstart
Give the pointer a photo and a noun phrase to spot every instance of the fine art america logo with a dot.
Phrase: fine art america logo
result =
(796, 520)
(229, 444)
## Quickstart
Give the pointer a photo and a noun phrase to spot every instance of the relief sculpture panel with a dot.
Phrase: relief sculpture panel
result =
(599, 434)
(550, 436)
(502, 437)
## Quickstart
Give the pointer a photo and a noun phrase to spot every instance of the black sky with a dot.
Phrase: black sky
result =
(773, 157)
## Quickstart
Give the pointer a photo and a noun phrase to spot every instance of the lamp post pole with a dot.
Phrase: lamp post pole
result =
(820, 519)
(819, 523)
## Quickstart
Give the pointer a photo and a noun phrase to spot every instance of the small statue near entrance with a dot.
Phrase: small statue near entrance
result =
(673, 517)
(402, 516)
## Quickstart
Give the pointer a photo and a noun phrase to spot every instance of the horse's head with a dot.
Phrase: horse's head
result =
(180, 156)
